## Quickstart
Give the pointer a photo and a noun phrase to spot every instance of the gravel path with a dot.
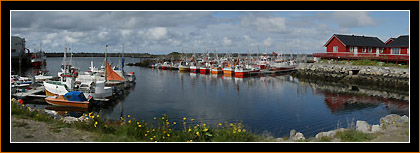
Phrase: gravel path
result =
(27, 130)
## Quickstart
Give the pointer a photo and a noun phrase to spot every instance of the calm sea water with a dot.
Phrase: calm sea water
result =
(271, 104)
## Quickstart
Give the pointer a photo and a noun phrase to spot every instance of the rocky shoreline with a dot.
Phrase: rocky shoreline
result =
(392, 128)
(390, 77)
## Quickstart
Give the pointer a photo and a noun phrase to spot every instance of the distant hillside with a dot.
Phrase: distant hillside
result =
(133, 55)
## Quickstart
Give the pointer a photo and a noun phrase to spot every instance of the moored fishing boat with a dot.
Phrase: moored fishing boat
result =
(228, 71)
(73, 99)
(241, 71)
(194, 68)
(205, 69)
(283, 66)
(165, 66)
(183, 66)
(216, 69)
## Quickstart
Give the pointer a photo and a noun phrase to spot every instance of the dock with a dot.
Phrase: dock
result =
(31, 93)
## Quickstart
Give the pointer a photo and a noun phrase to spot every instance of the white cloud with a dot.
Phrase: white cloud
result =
(102, 35)
(126, 32)
(267, 42)
(156, 33)
(274, 24)
(352, 19)
(227, 42)
(69, 39)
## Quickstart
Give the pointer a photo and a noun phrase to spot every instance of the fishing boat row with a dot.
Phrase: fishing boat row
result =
(238, 67)
(79, 89)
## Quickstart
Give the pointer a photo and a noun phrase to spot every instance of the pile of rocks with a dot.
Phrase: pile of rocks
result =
(387, 123)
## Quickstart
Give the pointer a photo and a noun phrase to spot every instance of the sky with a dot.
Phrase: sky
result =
(162, 32)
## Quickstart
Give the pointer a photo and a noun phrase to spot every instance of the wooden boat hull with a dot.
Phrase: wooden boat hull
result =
(63, 102)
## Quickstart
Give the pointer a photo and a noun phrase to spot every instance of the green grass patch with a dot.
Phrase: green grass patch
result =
(365, 62)
(352, 135)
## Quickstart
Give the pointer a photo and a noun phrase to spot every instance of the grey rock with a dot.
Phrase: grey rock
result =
(70, 119)
(404, 119)
(389, 120)
(376, 128)
(296, 136)
(363, 126)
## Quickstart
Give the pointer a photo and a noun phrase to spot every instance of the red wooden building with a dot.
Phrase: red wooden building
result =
(364, 47)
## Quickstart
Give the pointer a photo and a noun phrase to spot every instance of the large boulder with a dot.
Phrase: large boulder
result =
(393, 120)
(363, 126)
(296, 136)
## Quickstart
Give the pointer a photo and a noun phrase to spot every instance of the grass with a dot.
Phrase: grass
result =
(130, 129)
(352, 135)
(162, 130)
(366, 62)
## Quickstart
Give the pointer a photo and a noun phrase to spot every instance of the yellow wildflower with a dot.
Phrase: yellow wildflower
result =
(189, 130)
(192, 120)
(97, 115)
(184, 118)
(197, 133)
(174, 123)
(220, 124)
(129, 121)
(206, 130)
(239, 130)
(139, 125)
(145, 135)
(234, 131)
(168, 135)
(154, 118)
(151, 138)
(128, 116)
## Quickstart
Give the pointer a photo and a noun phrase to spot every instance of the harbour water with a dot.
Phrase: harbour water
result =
(270, 104)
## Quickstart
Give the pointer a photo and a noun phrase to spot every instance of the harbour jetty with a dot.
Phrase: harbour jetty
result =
(392, 77)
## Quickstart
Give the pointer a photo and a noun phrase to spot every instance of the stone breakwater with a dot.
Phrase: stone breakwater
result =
(362, 75)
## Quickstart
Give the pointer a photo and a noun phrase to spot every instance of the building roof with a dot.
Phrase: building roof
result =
(363, 41)
(401, 41)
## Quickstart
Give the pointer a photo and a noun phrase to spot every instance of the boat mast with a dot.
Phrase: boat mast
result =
(105, 60)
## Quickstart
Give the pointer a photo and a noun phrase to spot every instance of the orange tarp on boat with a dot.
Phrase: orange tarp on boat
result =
(111, 75)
